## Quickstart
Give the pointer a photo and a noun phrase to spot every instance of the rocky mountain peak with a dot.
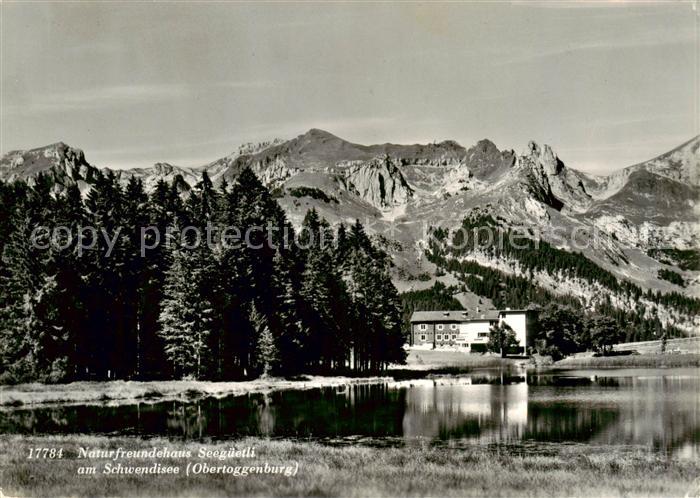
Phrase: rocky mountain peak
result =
(316, 133)
(549, 181)
(437, 182)
(318, 140)
(486, 162)
(65, 164)
(486, 147)
(544, 158)
(163, 169)
(60, 152)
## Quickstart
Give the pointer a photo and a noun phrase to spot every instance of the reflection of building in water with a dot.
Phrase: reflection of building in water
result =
(449, 409)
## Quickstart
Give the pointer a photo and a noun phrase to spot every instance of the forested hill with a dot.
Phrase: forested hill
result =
(525, 263)
(113, 303)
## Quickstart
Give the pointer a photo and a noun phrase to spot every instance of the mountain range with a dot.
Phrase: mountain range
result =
(640, 223)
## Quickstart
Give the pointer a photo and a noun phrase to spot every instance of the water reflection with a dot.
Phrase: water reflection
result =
(642, 407)
(463, 409)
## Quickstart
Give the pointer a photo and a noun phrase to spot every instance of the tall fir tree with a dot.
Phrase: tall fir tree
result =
(186, 316)
(266, 354)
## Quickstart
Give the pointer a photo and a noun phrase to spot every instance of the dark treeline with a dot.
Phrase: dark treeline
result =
(686, 259)
(210, 311)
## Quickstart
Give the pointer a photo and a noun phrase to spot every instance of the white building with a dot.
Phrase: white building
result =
(468, 330)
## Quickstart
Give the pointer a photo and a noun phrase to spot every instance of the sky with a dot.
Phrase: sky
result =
(606, 84)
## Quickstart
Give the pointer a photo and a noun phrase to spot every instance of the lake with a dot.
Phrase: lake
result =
(656, 409)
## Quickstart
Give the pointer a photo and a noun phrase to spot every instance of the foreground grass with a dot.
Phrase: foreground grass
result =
(120, 391)
(351, 471)
(631, 361)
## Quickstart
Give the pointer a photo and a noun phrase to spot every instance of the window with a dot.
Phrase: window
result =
(439, 327)
(422, 337)
(438, 337)
(453, 326)
(483, 334)
(454, 337)
(423, 326)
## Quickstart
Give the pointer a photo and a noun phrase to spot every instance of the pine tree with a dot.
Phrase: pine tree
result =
(377, 339)
(33, 336)
(266, 357)
(324, 297)
(186, 316)
(293, 337)
(19, 282)
(250, 265)
(107, 320)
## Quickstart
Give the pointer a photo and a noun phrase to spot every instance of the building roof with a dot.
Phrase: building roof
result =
(453, 316)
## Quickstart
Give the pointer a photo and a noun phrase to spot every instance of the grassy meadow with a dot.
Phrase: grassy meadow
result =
(355, 471)
(430, 359)
(668, 360)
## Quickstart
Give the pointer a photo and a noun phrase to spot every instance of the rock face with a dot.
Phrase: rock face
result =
(378, 182)
(65, 165)
(549, 180)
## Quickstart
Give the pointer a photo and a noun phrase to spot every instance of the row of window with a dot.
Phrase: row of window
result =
(440, 326)
(438, 337)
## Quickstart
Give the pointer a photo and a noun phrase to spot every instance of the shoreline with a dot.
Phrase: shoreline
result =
(420, 470)
(654, 360)
(120, 391)
(421, 364)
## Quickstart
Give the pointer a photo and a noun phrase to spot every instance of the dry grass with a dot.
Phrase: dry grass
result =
(632, 361)
(425, 359)
(355, 471)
